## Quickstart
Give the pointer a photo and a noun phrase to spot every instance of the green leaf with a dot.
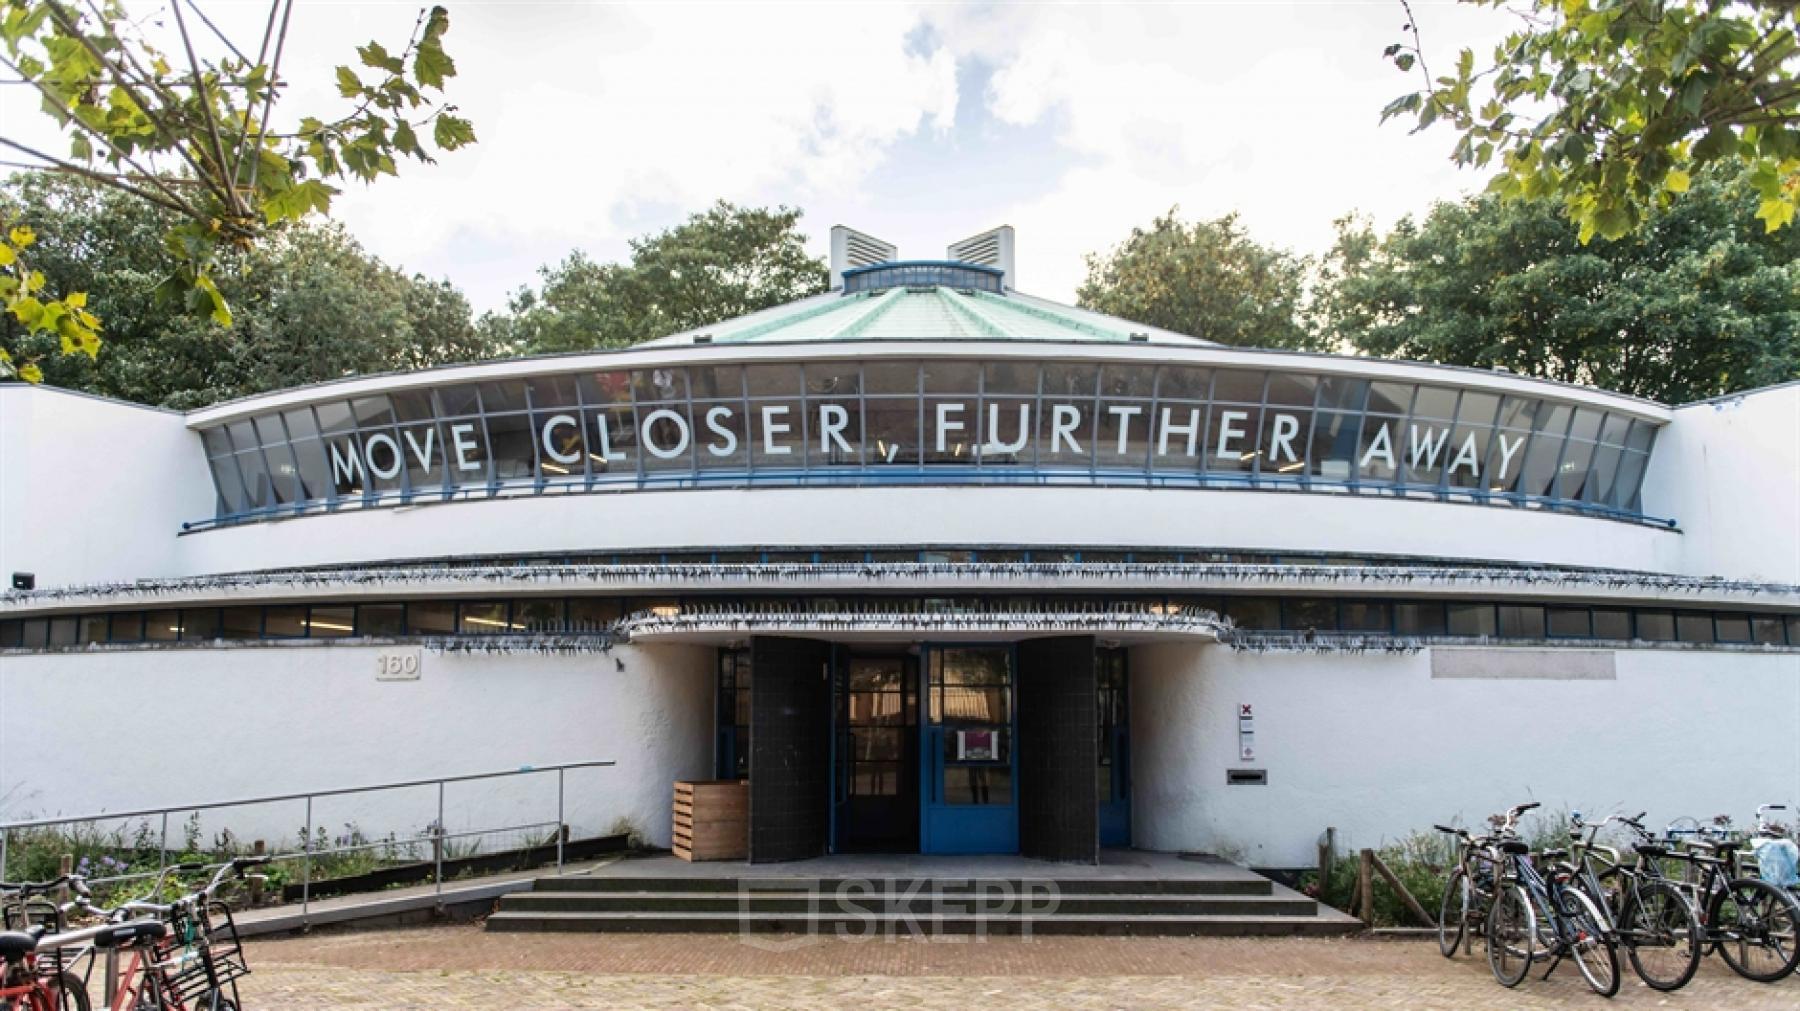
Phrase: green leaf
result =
(349, 85)
(375, 55)
(1676, 181)
(452, 132)
(1775, 213)
(431, 65)
(297, 201)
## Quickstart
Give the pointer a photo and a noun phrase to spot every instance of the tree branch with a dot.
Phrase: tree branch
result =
(59, 165)
(202, 96)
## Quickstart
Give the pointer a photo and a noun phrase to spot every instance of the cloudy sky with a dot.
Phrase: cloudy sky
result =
(919, 123)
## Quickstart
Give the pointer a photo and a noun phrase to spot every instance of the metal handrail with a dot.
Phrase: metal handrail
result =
(276, 798)
(436, 836)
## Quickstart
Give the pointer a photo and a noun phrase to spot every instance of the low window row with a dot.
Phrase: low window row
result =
(595, 615)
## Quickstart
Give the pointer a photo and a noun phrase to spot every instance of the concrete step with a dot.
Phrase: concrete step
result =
(927, 926)
(619, 884)
(1041, 902)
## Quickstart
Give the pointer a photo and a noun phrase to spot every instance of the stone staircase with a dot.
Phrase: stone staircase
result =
(1234, 904)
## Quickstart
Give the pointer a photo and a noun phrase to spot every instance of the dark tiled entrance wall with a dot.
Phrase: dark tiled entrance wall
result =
(1058, 808)
(790, 748)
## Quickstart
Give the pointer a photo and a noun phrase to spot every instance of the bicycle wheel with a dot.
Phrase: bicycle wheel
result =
(1511, 930)
(1661, 934)
(68, 993)
(1453, 914)
(1591, 944)
(1756, 929)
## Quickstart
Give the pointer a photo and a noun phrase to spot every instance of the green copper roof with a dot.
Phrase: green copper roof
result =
(931, 313)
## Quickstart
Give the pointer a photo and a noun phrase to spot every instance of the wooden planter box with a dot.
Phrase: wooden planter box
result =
(712, 819)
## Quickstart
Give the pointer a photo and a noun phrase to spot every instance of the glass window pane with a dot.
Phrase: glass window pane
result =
(1538, 477)
(666, 432)
(34, 633)
(538, 615)
(1183, 382)
(63, 631)
(1732, 627)
(600, 388)
(1570, 621)
(1233, 434)
(1472, 619)
(1123, 439)
(386, 620)
(1300, 614)
(978, 784)
(952, 377)
(1390, 398)
(162, 626)
(1612, 623)
(284, 621)
(486, 617)
(659, 385)
(1420, 618)
(891, 379)
(1694, 626)
(1378, 448)
(372, 412)
(431, 617)
(833, 379)
(595, 614)
(1256, 613)
(1238, 386)
(1333, 448)
(772, 380)
(1363, 616)
(1284, 442)
(777, 433)
(717, 382)
(239, 623)
(724, 438)
(91, 628)
(1068, 379)
(126, 626)
(1435, 402)
(331, 621)
(552, 391)
(511, 445)
(1766, 629)
(1521, 621)
(410, 405)
(200, 623)
(505, 395)
(11, 634)
(1289, 390)
(1657, 626)
(334, 417)
(1127, 381)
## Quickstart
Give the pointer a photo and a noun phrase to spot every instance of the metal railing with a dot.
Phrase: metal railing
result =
(311, 848)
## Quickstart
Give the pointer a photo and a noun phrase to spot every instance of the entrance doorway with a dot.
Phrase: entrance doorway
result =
(877, 775)
(969, 761)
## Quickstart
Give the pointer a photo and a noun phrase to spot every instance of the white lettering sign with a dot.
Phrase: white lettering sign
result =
(399, 664)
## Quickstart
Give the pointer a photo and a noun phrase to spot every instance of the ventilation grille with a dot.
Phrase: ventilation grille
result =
(851, 249)
(989, 249)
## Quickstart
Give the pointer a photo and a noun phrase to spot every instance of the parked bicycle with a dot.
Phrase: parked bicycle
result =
(33, 980)
(1462, 913)
(183, 955)
(1543, 917)
(1753, 925)
(1651, 916)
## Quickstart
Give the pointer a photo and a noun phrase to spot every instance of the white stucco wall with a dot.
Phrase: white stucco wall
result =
(1729, 471)
(75, 736)
(93, 489)
(1374, 746)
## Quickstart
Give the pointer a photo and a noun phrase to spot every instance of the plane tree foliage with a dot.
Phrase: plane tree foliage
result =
(165, 109)
(1611, 106)
(1700, 300)
(1209, 279)
(722, 262)
(309, 304)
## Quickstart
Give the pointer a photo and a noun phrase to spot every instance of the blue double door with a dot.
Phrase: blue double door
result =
(926, 749)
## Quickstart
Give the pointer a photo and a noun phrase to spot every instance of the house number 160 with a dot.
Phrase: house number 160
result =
(397, 666)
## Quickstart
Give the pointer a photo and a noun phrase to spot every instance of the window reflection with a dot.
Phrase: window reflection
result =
(826, 420)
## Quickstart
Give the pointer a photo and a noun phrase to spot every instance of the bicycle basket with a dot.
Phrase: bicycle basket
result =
(202, 952)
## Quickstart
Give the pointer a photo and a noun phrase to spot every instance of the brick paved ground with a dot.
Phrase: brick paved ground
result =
(461, 967)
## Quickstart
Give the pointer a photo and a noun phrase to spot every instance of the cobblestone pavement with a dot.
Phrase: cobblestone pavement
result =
(461, 967)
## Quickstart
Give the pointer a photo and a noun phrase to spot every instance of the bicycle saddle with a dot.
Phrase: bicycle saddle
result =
(15, 945)
(121, 934)
(1651, 850)
(1554, 854)
(1514, 846)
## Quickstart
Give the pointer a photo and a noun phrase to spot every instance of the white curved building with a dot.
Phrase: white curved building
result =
(938, 565)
